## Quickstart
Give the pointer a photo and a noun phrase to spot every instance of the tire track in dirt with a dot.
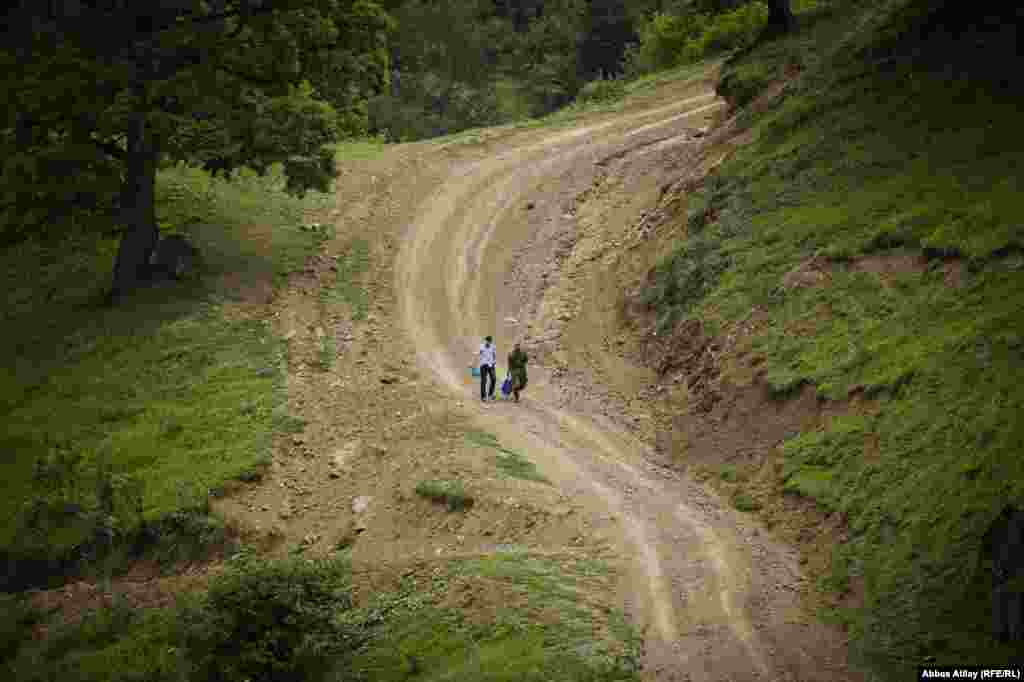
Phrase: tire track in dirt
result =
(681, 568)
(714, 596)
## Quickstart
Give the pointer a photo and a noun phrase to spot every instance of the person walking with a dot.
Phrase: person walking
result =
(517, 367)
(488, 361)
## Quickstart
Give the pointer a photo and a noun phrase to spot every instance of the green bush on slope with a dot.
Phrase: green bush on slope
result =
(891, 147)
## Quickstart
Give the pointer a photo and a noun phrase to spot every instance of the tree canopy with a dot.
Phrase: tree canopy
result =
(99, 92)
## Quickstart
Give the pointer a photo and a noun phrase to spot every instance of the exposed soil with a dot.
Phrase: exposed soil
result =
(534, 235)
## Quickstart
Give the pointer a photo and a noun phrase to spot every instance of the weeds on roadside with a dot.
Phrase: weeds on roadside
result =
(450, 493)
(511, 463)
(259, 621)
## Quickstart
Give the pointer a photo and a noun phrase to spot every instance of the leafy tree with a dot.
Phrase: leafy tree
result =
(548, 56)
(446, 51)
(608, 29)
(780, 17)
(99, 92)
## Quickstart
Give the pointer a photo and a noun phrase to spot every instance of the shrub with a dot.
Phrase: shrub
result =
(745, 503)
(450, 493)
(662, 40)
(728, 31)
(272, 621)
(667, 40)
(602, 91)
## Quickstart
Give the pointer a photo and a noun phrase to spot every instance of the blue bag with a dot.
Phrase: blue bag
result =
(475, 371)
(506, 386)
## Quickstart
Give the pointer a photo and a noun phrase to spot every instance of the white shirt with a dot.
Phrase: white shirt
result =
(488, 355)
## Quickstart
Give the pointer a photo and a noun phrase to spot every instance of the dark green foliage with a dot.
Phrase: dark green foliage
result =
(683, 280)
(258, 621)
(888, 167)
(267, 622)
(108, 95)
(602, 91)
(607, 30)
(668, 39)
(16, 625)
(178, 399)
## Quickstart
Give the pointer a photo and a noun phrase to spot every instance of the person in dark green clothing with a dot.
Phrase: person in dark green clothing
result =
(517, 366)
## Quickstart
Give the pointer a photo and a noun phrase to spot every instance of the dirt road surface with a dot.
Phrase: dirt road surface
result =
(483, 235)
(714, 596)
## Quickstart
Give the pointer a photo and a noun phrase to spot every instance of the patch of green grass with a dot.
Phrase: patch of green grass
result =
(246, 225)
(290, 619)
(745, 503)
(515, 465)
(511, 463)
(684, 73)
(729, 473)
(360, 149)
(878, 156)
(352, 263)
(483, 438)
(452, 494)
(552, 627)
(327, 351)
(176, 398)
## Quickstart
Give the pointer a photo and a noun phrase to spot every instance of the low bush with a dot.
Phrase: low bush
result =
(259, 621)
(668, 39)
(450, 493)
(602, 91)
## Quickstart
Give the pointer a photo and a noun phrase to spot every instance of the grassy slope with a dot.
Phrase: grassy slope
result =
(888, 144)
(181, 399)
(173, 395)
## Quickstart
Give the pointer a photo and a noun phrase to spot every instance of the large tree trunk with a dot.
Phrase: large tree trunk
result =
(138, 210)
(780, 17)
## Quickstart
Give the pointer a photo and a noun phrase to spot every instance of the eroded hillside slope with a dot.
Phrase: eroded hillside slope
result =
(833, 317)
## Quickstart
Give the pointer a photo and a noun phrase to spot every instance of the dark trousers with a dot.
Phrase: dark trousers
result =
(487, 371)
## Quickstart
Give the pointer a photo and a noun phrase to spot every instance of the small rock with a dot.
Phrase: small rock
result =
(529, 205)
(361, 504)
(333, 474)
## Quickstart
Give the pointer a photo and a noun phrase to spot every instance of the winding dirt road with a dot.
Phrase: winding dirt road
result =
(714, 596)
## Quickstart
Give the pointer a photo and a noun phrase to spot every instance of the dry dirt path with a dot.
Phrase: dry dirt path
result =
(715, 597)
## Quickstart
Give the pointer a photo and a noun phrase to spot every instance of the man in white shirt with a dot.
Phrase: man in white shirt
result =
(488, 360)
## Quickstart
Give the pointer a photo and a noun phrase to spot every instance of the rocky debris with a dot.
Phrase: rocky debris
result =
(361, 504)
(341, 457)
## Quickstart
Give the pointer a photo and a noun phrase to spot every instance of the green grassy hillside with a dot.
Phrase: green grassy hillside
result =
(893, 165)
(161, 400)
